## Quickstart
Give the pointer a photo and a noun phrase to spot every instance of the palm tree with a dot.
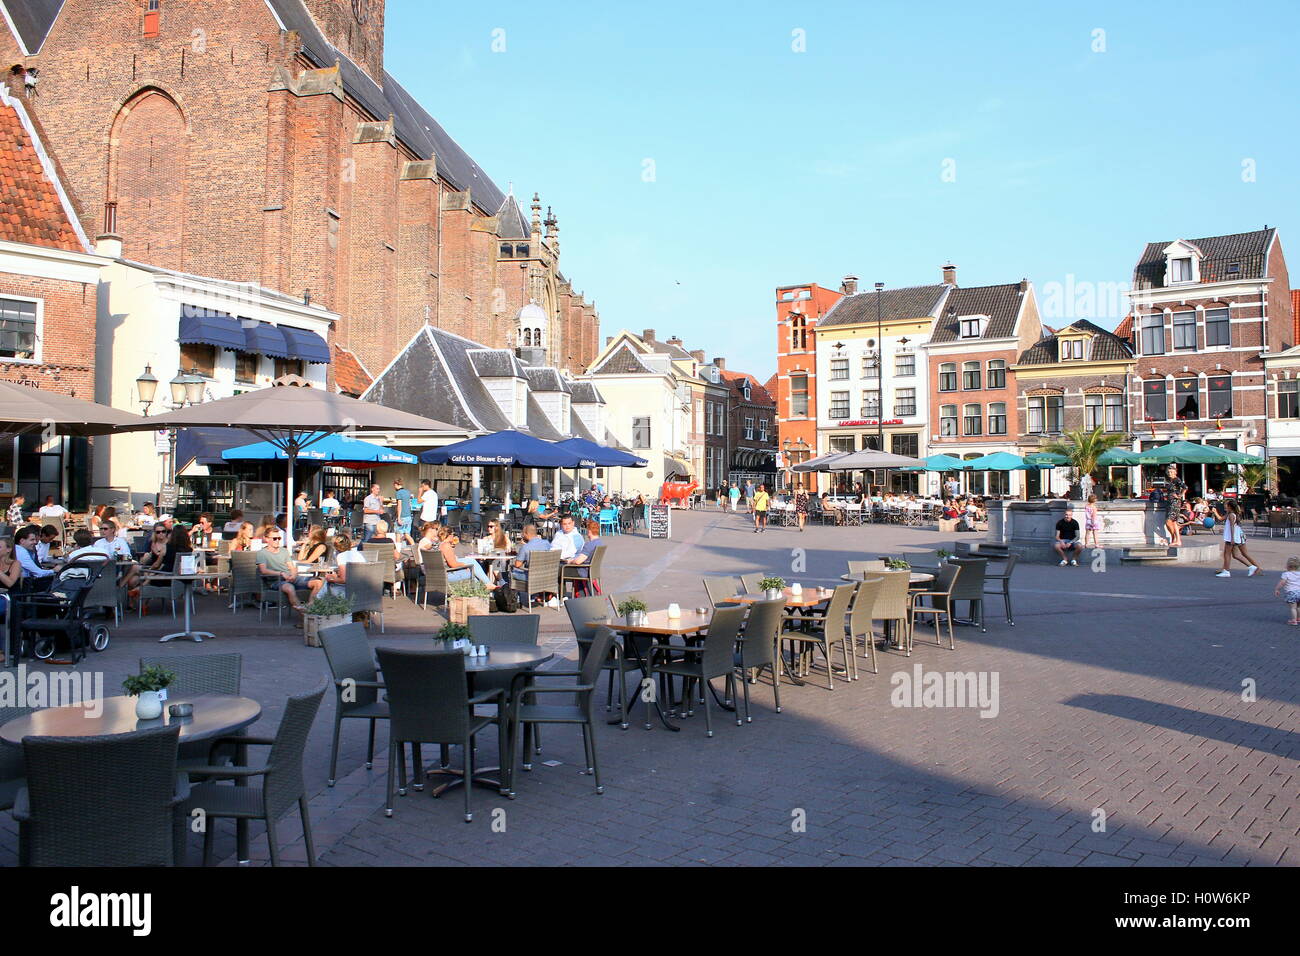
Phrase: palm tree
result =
(1083, 446)
(1265, 473)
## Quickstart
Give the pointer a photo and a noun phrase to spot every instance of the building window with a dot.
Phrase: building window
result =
(246, 367)
(1154, 407)
(842, 444)
(839, 405)
(997, 373)
(1046, 414)
(798, 333)
(948, 377)
(1093, 411)
(971, 420)
(1184, 330)
(1187, 404)
(904, 402)
(1288, 399)
(17, 329)
(798, 396)
(641, 432)
(1217, 328)
(948, 421)
(970, 375)
(1071, 350)
(294, 367)
(870, 404)
(839, 369)
(904, 365)
(970, 328)
(201, 358)
(521, 250)
(762, 429)
(909, 445)
(1181, 270)
(871, 366)
(1116, 419)
(997, 418)
(749, 429)
(1034, 416)
(1055, 413)
(507, 250)
(1220, 389)
(1153, 334)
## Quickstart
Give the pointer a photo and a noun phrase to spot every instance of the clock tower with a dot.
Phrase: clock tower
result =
(356, 27)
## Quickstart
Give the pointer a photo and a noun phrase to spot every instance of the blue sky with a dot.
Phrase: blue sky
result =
(904, 135)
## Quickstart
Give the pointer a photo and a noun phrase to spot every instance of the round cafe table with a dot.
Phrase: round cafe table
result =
(215, 715)
(915, 578)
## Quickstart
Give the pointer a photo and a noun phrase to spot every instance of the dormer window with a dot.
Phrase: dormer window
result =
(745, 389)
(1181, 269)
(1182, 263)
(1072, 350)
(971, 326)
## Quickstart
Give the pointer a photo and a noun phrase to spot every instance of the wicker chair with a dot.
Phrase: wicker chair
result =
(543, 576)
(594, 608)
(720, 590)
(588, 573)
(891, 604)
(525, 712)
(102, 801)
(245, 580)
(860, 618)
(825, 633)
(700, 663)
(750, 582)
(386, 557)
(105, 593)
(429, 702)
(356, 685)
(200, 674)
(365, 588)
(861, 567)
(11, 761)
(281, 780)
(758, 648)
(435, 575)
(941, 593)
(152, 589)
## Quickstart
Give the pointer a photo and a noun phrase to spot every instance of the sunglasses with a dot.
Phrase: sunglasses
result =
(274, 537)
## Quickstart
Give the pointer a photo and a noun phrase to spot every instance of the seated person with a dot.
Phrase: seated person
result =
(152, 558)
(25, 551)
(314, 547)
(273, 561)
(1067, 539)
(147, 517)
(458, 570)
(532, 542)
(201, 533)
(49, 546)
(178, 543)
(243, 540)
(577, 566)
(329, 505)
(84, 543)
(429, 536)
(231, 527)
(344, 554)
(115, 547)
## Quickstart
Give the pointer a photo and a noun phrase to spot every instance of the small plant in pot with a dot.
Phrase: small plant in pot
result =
(772, 588)
(453, 635)
(465, 598)
(897, 564)
(327, 610)
(944, 554)
(633, 611)
(145, 687)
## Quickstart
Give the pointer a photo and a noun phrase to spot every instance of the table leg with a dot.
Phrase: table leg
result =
(195, 636)
(641, 665)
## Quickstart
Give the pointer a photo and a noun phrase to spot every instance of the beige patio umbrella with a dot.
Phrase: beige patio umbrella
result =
(292, 415)
(26, 409)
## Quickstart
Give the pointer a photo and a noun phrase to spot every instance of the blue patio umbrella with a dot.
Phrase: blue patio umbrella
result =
(505, 449)
(321, 449)
(937, 463)
(997, 461)
(601, 456)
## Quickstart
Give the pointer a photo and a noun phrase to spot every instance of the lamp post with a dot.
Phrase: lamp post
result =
(880, 370)
(186, 389)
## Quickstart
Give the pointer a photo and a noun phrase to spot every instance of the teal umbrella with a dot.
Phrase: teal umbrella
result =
(1119, 456)
(937, 463)
(1190, 453)
(1045, 459)
(997, 461)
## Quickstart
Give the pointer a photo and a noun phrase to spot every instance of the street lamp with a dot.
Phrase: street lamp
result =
(146, 387)
(880, 369)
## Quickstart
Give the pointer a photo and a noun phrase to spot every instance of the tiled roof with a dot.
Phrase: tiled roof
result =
(1106, 347)
(913, 302)
(758, 393)
(545, 379)
(31, 209)
(1001, 303)
(32, 20)
(1125, 329)
(666, 348)
(585, 393)
(495, 363)
(1247, 250)
(622, 362)
(770, 385)
(349, 374)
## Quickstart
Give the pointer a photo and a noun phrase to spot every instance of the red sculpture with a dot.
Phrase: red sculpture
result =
(679, 492)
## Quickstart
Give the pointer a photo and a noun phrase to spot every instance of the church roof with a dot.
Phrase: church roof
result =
(33, 209)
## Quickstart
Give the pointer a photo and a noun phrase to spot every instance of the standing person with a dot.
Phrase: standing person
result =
(1086, 484)
(722, 496)
(749, 493)
(404, 502)
(1091, 522)
(428, 502)
(733, 493)
(15, 513)
(761, 502)
(372, 509)
(1174, 492)
(1234, 540)
(800, 505)
(1288, 587)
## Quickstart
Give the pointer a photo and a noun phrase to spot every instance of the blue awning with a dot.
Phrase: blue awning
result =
(266, 339)
(306, 345)
(223, 331)
(204, 446)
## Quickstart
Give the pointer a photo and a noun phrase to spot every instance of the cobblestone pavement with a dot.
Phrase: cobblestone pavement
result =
(1124, 699)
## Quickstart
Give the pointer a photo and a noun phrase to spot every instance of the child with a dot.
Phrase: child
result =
(1091, 522)
(1288, 586)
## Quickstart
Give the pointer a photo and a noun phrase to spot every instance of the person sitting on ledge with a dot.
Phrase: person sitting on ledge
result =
(1067, 539)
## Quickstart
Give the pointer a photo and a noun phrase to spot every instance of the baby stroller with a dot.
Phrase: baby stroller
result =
(57, 619)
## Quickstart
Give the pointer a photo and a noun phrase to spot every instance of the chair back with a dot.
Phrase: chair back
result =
(864, 603)
(596, 655)
(617, 599)
(365, 586)
(200, 673)
(244, 578)
(283, 783)
(970, 583)
(891, 599)
(11, 758)
(580, 611)
(1008, 568)
(435, 571)
(945, 583)
(719, 655)
(105, 592)
(315, 516)
(858, 567)
(750, 582)
(758, 646)
(837, 610)
(223, 547)
(597, 560)
(101, 801)
(543, 572)
(348, 653)
(505, 629)
(720, 589)
(386, 557)
(428, 698)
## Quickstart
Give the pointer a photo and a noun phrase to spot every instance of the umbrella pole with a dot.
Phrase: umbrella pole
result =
(555, 493)
(475, 488)
(291, 453)
(535, 485)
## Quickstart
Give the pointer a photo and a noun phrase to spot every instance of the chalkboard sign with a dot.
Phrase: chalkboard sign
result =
(167, 498)
(659, 521)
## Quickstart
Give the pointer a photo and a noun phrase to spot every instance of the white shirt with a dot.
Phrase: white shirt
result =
(90, 551)
(53, 511)
(351, 556)
(567, 544)
(115, 548)
(429, 506)
(329, 504)
(375, 502)
(146, 520)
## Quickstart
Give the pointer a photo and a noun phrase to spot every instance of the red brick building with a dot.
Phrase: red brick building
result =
(751, 427)
(48, 283)
(798, 308)
(263, 141)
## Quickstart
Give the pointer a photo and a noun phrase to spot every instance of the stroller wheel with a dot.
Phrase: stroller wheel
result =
(43, 648)
(100, 637)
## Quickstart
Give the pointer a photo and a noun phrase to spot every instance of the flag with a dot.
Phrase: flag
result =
(1184, 430)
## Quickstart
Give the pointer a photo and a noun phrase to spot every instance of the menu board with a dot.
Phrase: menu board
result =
(167, 497)
(659, 520)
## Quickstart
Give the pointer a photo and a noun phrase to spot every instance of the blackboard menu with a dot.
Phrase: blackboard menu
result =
(168, 498)
(659, 521)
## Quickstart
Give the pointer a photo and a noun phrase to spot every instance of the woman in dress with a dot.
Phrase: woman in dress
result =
(1234, 540)
(1091, 522)
(800, 505)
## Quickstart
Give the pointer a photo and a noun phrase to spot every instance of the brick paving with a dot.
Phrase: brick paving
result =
(1120, 692)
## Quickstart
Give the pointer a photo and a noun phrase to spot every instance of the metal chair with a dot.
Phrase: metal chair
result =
(941, 594)
(356, 685)
(758, 648)
(525, 715)
(721, 590)
(365, 588)
(700, 663)
(429, 702)
(1004, 579)
(542, 576)
(824, 633)
(860, 618)
(594, 608)
(12, 769)
(281, 780)
(102, 801)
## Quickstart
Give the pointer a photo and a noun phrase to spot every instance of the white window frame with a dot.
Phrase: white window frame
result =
(38, 352)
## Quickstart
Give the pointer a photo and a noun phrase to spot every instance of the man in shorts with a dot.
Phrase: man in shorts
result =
(1067, 539)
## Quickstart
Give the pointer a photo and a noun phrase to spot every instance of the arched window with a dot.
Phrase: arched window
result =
(798, 333)
(147, 163)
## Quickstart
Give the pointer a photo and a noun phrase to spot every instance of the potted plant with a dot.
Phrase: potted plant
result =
(144, 687)
(897, 564)
(327, 610)
(944, 554)
(454, 636)
(465, 598)
(633, 611)
(772, 588)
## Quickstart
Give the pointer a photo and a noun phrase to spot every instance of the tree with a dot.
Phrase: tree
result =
(1082, 447)
(1265, 473)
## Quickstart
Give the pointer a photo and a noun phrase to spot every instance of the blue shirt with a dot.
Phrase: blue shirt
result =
(536, 544)
(30, 568)
(404, 499)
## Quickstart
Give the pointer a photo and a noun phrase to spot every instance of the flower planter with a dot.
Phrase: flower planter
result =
(147, 705)
(459, 609)
(773, 594)
(312, 624)
(635, 618)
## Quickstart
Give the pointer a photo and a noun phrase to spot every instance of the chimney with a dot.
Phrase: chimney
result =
(950, 274)
(675, 341)
(648, 334)
(1024, 285)
(850, 285)
(109, 245)
(719, 361)
(698, 355)
(608, 339)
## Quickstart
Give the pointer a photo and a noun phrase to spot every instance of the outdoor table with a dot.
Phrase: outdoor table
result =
(215, 715)
(657, 624)
(809, 598)
(188, 580)
(915, 578)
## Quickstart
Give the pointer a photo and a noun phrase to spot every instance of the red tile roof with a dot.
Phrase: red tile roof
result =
(350, 376)
(758, 392)
(31, 210)
(1125, 329)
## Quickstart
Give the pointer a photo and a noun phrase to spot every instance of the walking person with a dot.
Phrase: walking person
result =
(749, 494)
(1091, 522)
(1288, 587)
(800, 505)
(761, 502)
(734, 494)
(1234, 541)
